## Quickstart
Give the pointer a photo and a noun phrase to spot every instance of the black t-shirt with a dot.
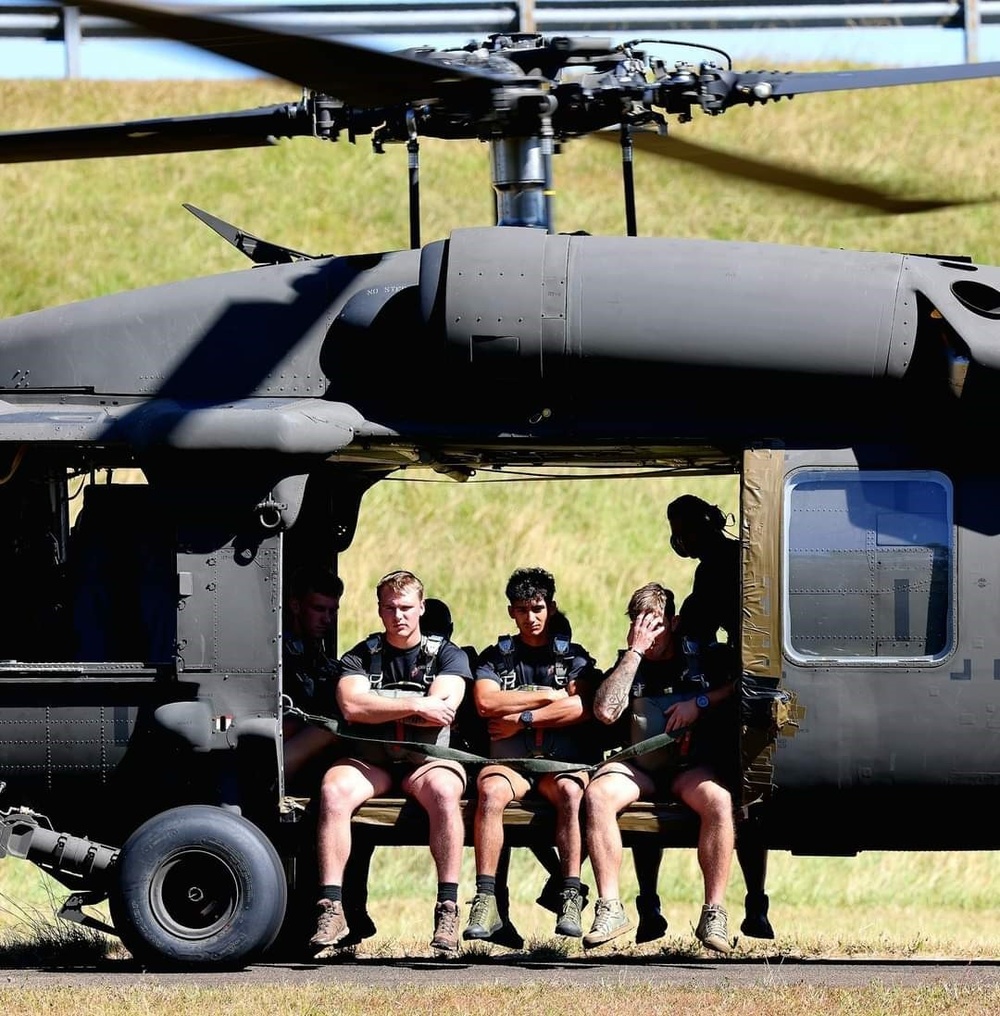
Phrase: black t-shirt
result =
(405, 665)
(308, 675)
(655, 677)
(652, 678)
(400, 666)
(544, 667)
(535, 665)
(714, 601)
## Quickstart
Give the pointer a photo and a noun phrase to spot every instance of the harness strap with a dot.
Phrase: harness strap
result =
(527, 765)
(374, 645)
(562, 661)
(427, 659)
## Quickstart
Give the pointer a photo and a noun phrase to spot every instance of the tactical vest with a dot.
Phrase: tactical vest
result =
(427, 662)
(562, 660)
(426, 667)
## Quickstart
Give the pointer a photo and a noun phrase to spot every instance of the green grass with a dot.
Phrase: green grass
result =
(74, 230)
(600, 538)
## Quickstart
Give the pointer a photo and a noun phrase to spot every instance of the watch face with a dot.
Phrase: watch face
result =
(701, 701)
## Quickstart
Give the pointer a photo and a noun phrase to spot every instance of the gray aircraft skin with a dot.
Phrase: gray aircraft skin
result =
(140, 652)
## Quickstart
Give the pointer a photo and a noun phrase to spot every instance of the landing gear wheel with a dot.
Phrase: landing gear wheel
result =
(198, 886)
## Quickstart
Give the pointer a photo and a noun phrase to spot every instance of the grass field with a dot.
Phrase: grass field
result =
(74, 230)
(77, 230)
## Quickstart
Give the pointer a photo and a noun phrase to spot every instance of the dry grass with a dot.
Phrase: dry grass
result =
(537, 998)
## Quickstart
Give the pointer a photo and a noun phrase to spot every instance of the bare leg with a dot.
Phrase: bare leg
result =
(438, 787)
(716, 835)
(613, 789)
(566, 794)
(346, 786)
(301, 745)
(625, 784)
(497, 787)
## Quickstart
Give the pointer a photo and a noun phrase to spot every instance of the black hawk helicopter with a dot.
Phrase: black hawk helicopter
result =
(140, 682)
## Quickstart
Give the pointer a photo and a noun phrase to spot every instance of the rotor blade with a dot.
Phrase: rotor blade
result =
(246, 129)
(358, 76)
(775, 175)
(838, 81)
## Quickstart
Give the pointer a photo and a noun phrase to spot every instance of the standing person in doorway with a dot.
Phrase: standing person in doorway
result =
(697, 529)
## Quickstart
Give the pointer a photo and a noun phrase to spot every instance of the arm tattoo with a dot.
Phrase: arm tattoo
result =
(616, 702)
(612, 694)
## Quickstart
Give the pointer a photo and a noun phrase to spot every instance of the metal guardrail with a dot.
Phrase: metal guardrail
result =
(479, 18)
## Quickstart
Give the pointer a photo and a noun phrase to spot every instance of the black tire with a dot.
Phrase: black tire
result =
(198, 886)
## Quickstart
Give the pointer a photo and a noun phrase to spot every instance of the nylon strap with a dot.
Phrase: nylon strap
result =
(527, 765)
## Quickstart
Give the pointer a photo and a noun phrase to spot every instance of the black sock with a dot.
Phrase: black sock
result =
(572, 883)
(447, 891)
(331, 892)
(486, 884)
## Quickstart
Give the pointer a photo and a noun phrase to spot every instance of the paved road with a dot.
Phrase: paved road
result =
(575, 972)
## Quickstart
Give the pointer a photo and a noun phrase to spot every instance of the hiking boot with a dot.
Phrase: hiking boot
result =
(652, 923)
(609, 922)
(755, 923)
(571, 903)
(551, 895)
(362, 926)
(713, 928)
(484, 919)
(331, 925)
(508, 936)
(445, 926)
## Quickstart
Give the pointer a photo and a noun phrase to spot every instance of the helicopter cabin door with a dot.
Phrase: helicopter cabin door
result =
(870, 581)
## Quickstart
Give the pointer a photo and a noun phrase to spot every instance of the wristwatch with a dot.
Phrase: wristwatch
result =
(701, 701)
(527, 718)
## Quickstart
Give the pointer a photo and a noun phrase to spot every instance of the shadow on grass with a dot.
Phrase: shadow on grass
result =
(548, 955)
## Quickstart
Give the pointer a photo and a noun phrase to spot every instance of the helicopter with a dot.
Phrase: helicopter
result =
(140, 682)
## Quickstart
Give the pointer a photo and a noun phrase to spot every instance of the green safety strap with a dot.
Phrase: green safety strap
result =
(528, 765)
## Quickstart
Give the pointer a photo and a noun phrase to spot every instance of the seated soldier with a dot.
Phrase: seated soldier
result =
(649, 679)
(534, 690)
(308, 678)
(470, 734)
(397, 685)
(308, 673)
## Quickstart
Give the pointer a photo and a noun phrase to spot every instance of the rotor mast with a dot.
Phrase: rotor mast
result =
(521, 169)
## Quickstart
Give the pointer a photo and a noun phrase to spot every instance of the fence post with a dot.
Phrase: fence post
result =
(71, 40)
(526, 16)
(971, 22)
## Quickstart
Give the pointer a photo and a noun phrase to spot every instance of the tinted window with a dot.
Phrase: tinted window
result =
(868, 565)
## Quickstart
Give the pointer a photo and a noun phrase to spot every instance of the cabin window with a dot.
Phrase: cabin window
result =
(868, 566)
